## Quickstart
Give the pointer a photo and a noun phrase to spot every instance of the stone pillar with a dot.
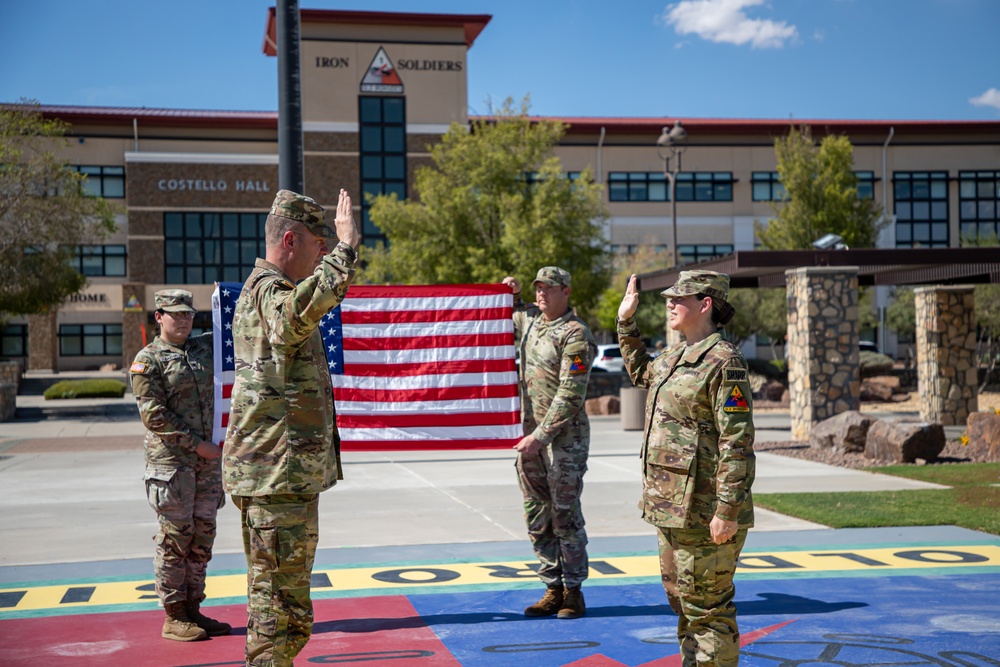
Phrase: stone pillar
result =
(133, 321)
(43, 346)
(947, 368)
(823, 373)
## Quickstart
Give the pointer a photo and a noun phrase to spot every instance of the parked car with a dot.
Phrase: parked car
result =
(868, 346)
(609, 359)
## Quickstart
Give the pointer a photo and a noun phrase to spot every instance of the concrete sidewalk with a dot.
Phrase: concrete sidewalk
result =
(76, 473)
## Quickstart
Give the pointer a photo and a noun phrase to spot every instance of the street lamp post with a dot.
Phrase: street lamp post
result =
(668, 146)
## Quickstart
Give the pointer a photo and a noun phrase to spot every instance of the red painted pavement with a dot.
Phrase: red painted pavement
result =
(362, 629)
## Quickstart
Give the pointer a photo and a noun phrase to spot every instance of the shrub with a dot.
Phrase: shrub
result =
(102, 388)
(873, 363)
(772, 369)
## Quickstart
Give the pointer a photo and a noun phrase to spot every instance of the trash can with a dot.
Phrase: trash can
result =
(633, 408)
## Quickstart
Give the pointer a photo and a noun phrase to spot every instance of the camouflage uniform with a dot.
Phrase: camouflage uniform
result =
(698, 462)
(173, 389)
(282, 447)
(556, 358)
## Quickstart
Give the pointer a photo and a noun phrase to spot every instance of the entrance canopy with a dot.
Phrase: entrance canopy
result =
(877, 266)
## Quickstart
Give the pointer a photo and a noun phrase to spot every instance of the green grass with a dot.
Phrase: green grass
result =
(973, 501)
(86, 389)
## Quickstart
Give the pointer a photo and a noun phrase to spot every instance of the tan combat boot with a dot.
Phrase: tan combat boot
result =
(178, 626)
(549, 604)
(211, 626)
(573, 605)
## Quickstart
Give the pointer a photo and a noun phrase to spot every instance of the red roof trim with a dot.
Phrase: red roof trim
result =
(264, 120)
(472, 23)
(583, 125)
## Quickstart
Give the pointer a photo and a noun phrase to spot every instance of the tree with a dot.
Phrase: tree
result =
(44, 213)
(821, 195)
(987, 313)
(901, 313)
(759, 311)
(651, 315)
(494, 203)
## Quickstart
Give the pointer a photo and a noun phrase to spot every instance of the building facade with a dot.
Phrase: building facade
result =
(378, 89)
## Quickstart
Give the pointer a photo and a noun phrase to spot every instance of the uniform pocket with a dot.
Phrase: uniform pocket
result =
(161, 489)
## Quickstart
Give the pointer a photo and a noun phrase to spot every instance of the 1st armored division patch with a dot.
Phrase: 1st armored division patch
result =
(577, 366)
(736, 402)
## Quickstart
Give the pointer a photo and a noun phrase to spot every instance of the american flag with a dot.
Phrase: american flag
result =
(413, 366)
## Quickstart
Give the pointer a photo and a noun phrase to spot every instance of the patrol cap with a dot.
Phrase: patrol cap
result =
(291, 205)
(174, 301)
(709, 283)
(552, 276)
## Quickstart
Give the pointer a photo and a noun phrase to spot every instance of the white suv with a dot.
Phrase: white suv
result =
(609, 359)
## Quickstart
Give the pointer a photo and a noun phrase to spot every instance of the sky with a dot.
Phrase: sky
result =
(777, 59)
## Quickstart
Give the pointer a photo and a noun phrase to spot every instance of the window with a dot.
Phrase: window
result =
(534, 177)
(767, 186)
(106, 182)
(99, 260)
(921, 208)
(383, 156)
(979, 205)
(632, 248)
(702, 251)
(90, 340)
(866, 184)
(637, 186)
(14, 340)
(705, 186)
(200, 248)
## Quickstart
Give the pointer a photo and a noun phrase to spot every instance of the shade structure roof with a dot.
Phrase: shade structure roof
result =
(876, 266)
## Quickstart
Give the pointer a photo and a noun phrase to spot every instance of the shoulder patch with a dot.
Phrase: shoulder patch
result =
(736, 402)
(734, 375)
(138, 367)
(576, 347)
(577, 365)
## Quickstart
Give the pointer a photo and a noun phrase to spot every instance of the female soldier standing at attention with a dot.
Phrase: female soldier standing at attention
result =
(172, 384)
(697, 460)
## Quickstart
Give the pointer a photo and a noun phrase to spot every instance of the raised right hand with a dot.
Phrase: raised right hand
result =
(630, 301)
(347, 232)
(511, 282)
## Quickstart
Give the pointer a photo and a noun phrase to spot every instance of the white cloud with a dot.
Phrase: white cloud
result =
(991, 98)
(725, 21)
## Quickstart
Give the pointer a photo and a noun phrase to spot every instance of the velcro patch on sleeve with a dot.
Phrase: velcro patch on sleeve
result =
(736, 402)
(138, 367)
(735, 375)
(577, 365)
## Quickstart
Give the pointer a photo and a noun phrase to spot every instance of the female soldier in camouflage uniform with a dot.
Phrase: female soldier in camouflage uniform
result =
(697, 459)
(172, 385)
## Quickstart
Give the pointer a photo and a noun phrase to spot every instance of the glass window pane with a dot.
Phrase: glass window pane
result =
(921, 210)
(93, 345)
(231, 273)
(967, 230)
(761, 191)
(248, 253)
(902, 189)
(211, 252)
(657, 191)
(192, 224)
(173, 251)
(617, 176)
(70, 346)
(371, 166)
(230, 225)
(371, 110)
(967, 189)
(903, 232)
(617, 191)
(939, 231)
(92, 266)
(984, 189)
(939, 210)
(210, 224)
(114, 250)
(371, 139)
(91, 186)
(685, 191)
(397, 189)
(114, 266)
(194, 275)
(703, 192)
(193, 249)
(174, 275)
(395, 140)
(987, 210)
(114, 186)
(395, 167)
(637, 192)
(723, 192)
(939, 189)
(248, 225)
(393, 109)
(988, 229)
(230, 252)
(922, 232)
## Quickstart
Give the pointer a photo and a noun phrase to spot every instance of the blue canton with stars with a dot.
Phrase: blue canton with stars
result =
(333, 338)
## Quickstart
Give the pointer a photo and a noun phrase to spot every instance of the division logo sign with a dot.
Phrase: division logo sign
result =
(381, 76)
